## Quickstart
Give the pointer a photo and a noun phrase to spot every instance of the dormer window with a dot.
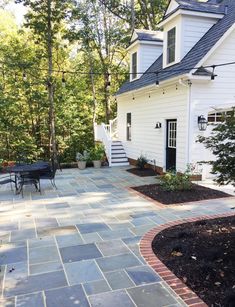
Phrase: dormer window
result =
(134, 65)
(171, 38)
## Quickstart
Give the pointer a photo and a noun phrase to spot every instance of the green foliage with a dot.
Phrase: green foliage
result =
(86, 36)
(222, 145)
(173, 181)
(97, 153)
(141, 162)
(85, 156)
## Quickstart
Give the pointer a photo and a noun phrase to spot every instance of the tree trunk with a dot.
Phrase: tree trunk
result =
(132, 15)
(52, 138)
(107, 97)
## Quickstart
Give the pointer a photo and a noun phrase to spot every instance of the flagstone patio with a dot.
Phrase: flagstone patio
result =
(78, 245)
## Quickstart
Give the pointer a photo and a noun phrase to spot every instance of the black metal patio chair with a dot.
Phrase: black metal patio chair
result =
(28, 179)
(7, 178)
(49, 174)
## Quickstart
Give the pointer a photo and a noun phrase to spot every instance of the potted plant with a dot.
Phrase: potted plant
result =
(97, 155)
(82, 159)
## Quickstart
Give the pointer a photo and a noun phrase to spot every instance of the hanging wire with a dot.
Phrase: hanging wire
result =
(162, 71)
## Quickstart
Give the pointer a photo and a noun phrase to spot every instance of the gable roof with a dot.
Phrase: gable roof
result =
(147, 35)
(211, 6)
(205, 7)
(191, 59)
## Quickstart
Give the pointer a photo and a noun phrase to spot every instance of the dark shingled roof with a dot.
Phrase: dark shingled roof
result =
(147, 35)
(207, 7)
(191, 59)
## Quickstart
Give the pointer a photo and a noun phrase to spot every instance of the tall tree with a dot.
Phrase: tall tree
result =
(45, 18)
(138, 13)
(106, 35)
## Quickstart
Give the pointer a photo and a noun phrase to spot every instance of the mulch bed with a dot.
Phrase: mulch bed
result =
(197, 193)
(146, 172)
(202, 255)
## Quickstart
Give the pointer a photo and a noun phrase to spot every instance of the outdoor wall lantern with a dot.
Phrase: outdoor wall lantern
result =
(158, 125)
(202, 123)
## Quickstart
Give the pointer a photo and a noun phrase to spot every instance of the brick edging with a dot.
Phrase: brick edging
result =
(186, 294)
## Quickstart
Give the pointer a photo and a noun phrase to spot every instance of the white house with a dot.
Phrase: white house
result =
(176, 80)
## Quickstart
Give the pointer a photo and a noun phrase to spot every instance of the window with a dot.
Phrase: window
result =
(172, 126)
(218, 117)
(171, 46)
(134, 66)
(128, 126)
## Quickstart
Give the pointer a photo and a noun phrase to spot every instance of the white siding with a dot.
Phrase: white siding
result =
(177, 23)
(145, 113)
(148, 54)
(207, 95)
(172, 6)
(193, 29)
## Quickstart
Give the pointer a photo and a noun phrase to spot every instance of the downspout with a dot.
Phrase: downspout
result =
(189, 120)
(189, 86)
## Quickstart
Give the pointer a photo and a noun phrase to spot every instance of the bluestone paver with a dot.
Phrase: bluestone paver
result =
(66, 297)
(82, 272)
(79, 244)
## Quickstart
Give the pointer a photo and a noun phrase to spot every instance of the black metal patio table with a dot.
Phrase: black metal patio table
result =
(28, 174)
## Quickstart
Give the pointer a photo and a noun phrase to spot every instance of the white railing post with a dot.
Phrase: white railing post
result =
(105, 134)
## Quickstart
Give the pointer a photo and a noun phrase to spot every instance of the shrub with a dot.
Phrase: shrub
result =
(173, 181)
(83, 157)
(97, 153)
(141, 162)
(221, 144)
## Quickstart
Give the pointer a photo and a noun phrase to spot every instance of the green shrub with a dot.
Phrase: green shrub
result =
(97, 153)
(83, 157)
(173, 181)
(141, 162)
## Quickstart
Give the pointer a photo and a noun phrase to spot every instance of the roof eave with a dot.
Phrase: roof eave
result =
(190, 12)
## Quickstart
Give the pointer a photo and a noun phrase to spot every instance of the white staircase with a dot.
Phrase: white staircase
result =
(118, 154)
(114, 149)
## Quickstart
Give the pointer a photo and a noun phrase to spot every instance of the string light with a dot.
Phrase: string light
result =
(24, 76)
(63, 79)
(213, 75)
(162, 71)
(157, 79)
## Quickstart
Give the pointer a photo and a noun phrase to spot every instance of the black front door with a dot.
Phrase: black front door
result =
(171, 134)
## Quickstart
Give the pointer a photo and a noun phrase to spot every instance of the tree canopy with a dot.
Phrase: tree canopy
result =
(60, 70)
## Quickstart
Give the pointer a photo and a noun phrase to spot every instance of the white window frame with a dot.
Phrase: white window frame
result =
(172, 134)
(168, 48)
(134, 73)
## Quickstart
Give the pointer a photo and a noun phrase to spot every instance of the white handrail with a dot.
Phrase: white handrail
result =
(113, 127)
(102, 133)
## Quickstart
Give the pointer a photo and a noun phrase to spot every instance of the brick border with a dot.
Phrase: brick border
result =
(186, 294)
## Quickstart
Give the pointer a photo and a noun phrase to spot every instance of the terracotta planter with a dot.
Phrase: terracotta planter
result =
(97, 164)
(81, 164)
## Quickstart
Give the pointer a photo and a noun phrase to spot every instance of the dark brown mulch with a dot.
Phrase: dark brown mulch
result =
(198, 192)
(146, 172)
(202, 255)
